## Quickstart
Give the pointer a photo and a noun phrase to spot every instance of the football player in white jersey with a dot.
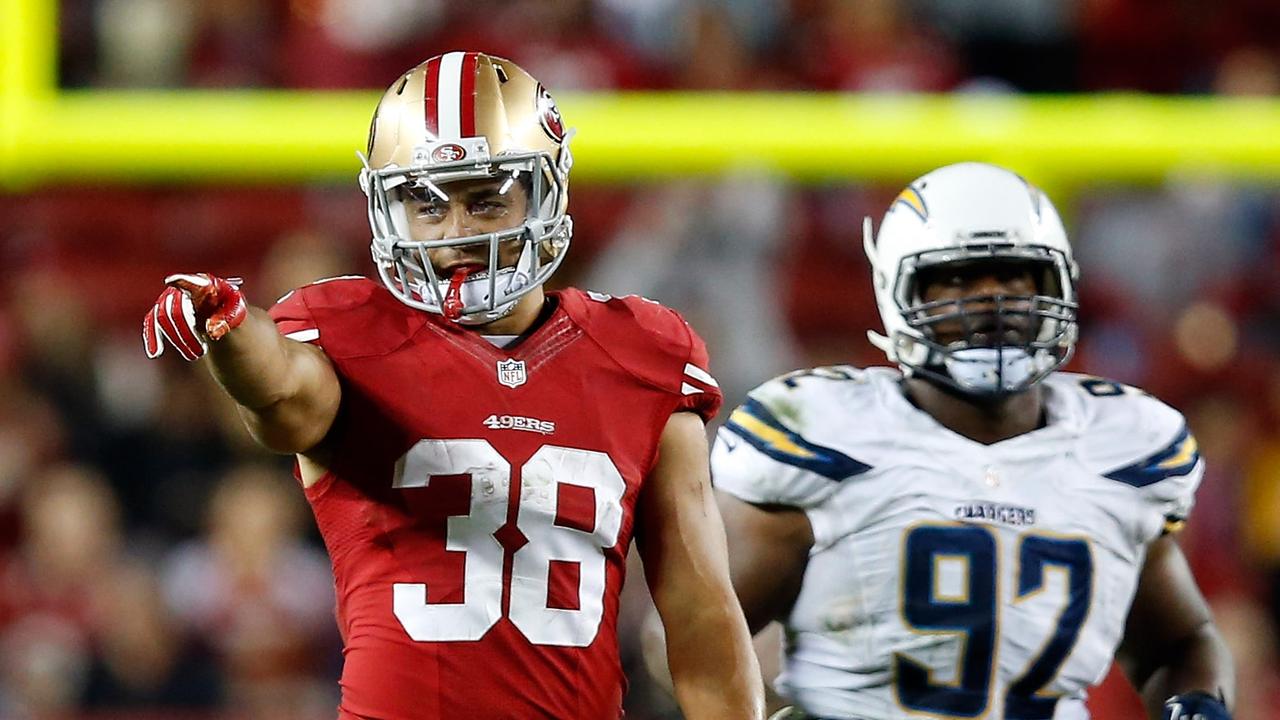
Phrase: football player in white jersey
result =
(979, 534)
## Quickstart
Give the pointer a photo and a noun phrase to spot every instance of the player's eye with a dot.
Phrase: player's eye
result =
(945, 279)
(1018, 276)
(488, 208)
(430, 210)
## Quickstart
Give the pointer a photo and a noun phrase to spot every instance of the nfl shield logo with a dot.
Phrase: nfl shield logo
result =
(511, 373)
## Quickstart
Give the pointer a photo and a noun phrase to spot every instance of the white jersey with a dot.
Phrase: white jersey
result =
(951, 579)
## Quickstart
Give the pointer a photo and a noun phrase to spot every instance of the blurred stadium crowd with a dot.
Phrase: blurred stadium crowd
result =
(152, 560)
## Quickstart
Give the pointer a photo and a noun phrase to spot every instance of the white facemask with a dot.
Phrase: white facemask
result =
(990, 370)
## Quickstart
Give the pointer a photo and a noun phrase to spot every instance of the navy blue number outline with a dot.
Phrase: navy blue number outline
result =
(970, 697)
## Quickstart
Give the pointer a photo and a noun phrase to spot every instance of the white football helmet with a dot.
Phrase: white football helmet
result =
(966, 213)
(462, 116)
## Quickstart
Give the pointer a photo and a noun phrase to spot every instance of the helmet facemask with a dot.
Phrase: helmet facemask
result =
(986, 345)
(404, 263)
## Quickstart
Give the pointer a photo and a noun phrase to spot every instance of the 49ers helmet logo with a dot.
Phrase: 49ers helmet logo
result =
(448, 153)
(550, 115)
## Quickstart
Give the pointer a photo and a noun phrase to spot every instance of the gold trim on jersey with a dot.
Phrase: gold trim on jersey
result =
(938, 595)
(962, 645)
(1186, 450)
(1065, 572)
(769, 434)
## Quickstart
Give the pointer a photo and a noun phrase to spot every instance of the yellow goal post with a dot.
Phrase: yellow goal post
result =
(51, 135)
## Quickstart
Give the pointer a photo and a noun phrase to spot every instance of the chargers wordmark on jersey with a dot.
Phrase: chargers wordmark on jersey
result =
(994, 512)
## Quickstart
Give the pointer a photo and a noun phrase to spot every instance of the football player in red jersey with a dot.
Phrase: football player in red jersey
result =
(479, 453)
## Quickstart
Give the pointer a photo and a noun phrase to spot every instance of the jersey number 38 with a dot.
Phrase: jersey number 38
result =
(473, 534)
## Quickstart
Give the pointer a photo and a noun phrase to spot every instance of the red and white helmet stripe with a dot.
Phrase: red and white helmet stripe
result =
(450, 96)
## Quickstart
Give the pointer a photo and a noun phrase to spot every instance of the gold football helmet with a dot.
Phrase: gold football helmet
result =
(465, 116)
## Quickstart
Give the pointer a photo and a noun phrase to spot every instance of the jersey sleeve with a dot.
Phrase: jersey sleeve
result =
(1168, 478)
(1159, 457)
(699, 391)
(294, 318)
(762, 455)
(654, 344)
(741, 469)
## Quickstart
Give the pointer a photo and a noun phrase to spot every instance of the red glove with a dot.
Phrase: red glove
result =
(194, 309)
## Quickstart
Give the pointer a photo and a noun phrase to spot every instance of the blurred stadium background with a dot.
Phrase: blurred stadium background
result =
(154, 564)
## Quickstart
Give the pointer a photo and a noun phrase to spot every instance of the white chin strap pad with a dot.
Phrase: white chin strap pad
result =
(989, 370)
(474, 292)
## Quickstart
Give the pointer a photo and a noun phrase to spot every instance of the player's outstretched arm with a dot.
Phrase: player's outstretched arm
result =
(1172, 651)
(681, 540)
(768, 552)
(287, 391)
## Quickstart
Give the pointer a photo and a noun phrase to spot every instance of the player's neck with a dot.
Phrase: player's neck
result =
(986, 422)
(523, 317)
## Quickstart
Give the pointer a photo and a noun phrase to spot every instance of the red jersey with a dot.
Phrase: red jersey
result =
(480, 502)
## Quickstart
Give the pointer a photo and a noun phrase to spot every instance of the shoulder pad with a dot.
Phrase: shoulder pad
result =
(348, 316)
(1178, 457)
(620, 317)
(839, 407)
(796, 438)
(756, 424)
(650, 340)
(1130, 436)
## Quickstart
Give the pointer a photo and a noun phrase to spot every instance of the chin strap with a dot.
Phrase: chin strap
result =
(990, 370)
